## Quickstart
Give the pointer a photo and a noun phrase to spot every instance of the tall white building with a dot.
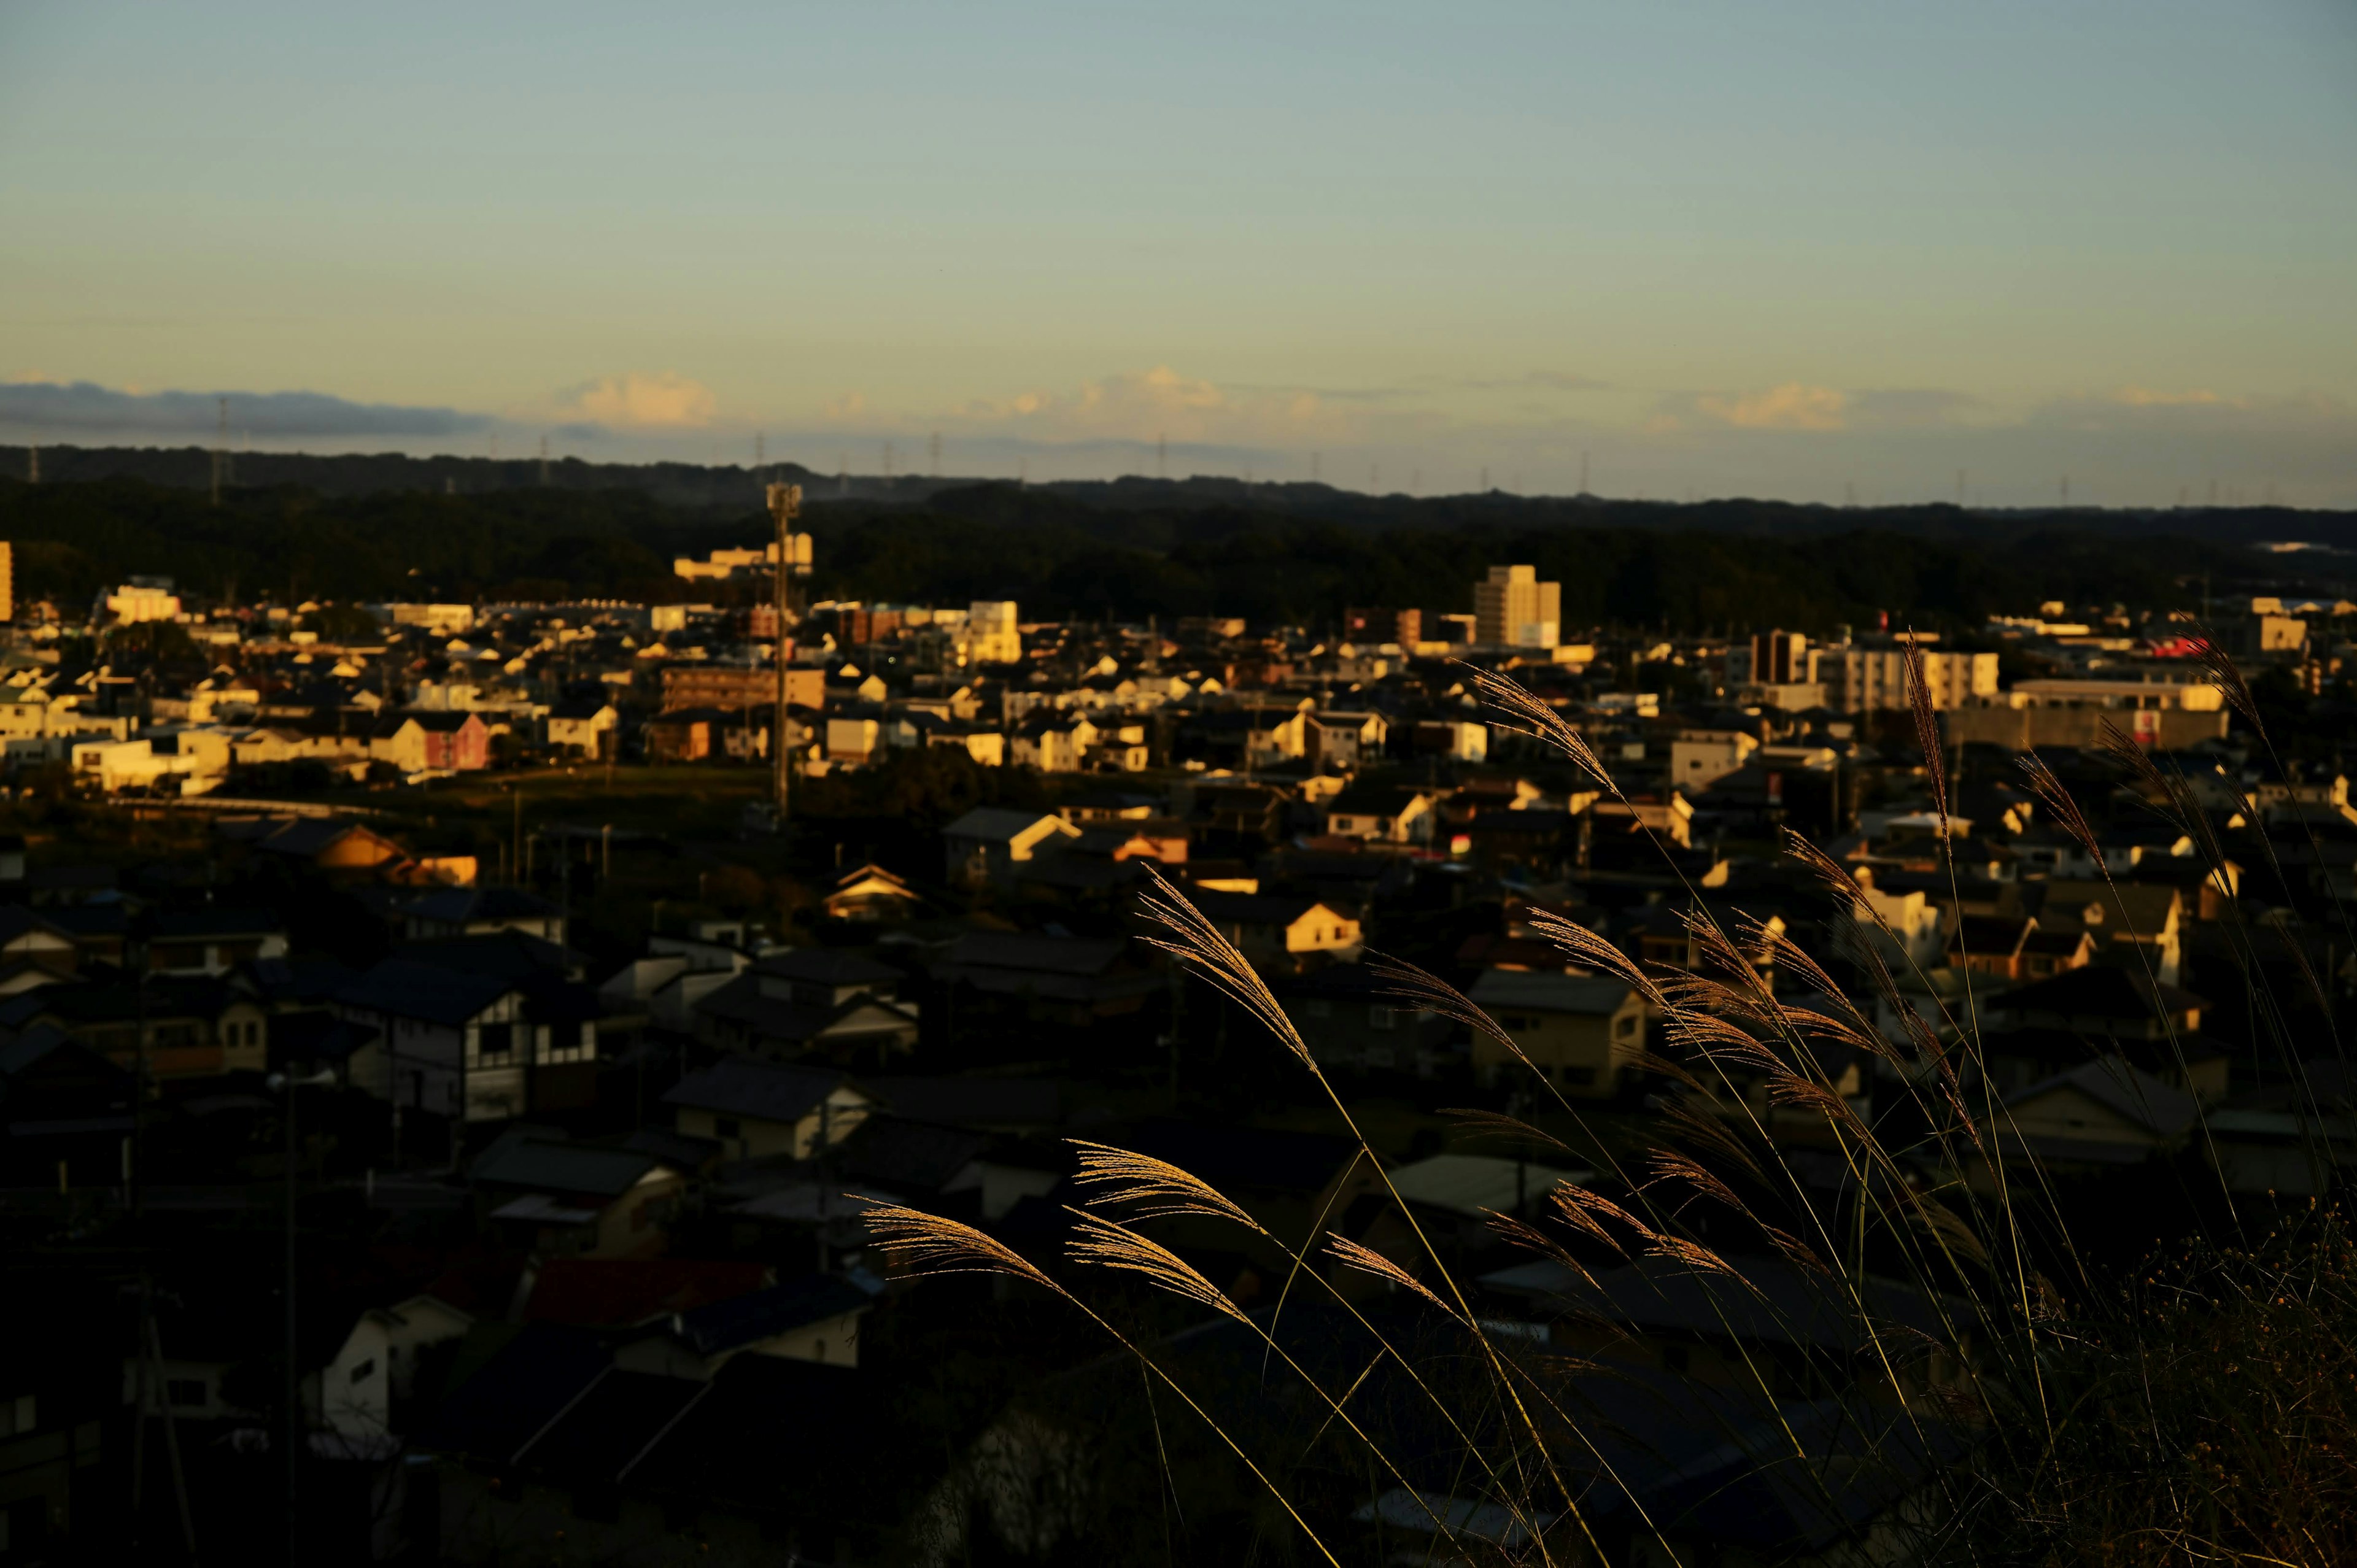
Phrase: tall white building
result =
(1511, 608)
(990, 634)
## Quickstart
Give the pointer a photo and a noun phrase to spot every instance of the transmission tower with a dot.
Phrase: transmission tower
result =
(785, 506)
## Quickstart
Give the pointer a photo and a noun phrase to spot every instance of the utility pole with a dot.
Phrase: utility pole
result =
(785, 505)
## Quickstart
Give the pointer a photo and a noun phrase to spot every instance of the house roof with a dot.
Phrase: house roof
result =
(2135, 1095)
(188, 925)
(910, 1154)
(509, 1382)
(604, 1293)
(1594, 995)
(2096, 990)
(1035, 951)
(456, 906)
(998, 825)
(1256, 908)
(562, 1168)
(973, 1102)
(405, 988)
(763, 1091)
(826, 966)
(1475, 1186)
(761, 1314)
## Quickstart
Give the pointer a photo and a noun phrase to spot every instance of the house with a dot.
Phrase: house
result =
(431, 741)
(2132, 923)
(809, 1318)
(1038, 978)
(176, 1028)
(988, 842)
(568, 1200)
(212, 940)
(758, 1110)
(810, 1000)
(1054, 742)
(870, 896)
(583, 729)
(330, 845)
(481, 911)
(1344, 741)
(455, 1042)
(1279, 932)
(2103, 1114)
(1344, 1017)
(1391, 815)
(1580, 1031)
(2012, 947)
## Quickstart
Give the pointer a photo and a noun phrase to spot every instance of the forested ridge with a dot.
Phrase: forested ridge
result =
(1135, 549)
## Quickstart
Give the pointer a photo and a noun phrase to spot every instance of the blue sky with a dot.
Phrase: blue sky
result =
(1800, 248)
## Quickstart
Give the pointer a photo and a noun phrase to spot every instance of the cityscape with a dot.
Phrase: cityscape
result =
(835, 788)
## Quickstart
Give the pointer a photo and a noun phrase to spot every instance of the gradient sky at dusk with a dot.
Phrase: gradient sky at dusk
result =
(1718, 248)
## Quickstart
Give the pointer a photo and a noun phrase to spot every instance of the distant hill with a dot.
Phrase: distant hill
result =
(292, 527)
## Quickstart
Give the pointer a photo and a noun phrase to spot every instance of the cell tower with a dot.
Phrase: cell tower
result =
(1583, 474)
(1022, 471)
(1414, 482)
(1313, 468)
(935, 454)
(887, 460)
(1485, 481)
(1161, 457)
(2066, 489)
(760, 450)
(543, 462)
(220, 450)
(1960, 487)
(785, 506)
(33, 464)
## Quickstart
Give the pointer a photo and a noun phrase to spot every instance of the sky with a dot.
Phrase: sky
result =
(1887, 252)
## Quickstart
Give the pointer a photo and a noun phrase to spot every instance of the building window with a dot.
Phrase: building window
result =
(17, 1416)
(497, 1040)
(726, 1126)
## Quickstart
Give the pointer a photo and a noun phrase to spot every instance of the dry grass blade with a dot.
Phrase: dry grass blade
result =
(1476, 1125)
(1197, 941)
(1951, 1227)
(1158, 1188)
(1367, 1261)
(2220, 666)
(1528, 714)
(1662, 1067)
(1669, 1166)
(1709, 1132)
(1837, 880)
(1927, 725)
(1581, 1210)
(1791, 1088)
(1404, 982)
(1715, 1038)
(1531, 1239)
(1720, 952)
(1694, 1254)
(921, 1245)
(1792, 1247)
(2057, 800)
(1098, 1241)
(1586, 947)
(2137, 763)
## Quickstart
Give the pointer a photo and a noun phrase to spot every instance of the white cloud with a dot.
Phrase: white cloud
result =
(667, 400)
(1792, 406)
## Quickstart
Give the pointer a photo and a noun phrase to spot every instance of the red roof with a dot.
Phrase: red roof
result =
(589, 1293)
